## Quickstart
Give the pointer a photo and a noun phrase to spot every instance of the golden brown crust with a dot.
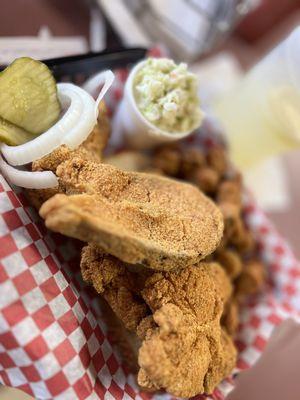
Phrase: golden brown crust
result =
(217, 160)
(176, 356)
(230, 261)
(206, 179)
(251, 279)
(162, 338)
(211, 170)
(145, 382)
(184, 349)
(139, 218)
(129, 161)
(173, 314)
(184, 357)
(90, 149)
(230, 192)
(145, 327)
(195, 290)
(194, 353)
(221, 281)
(223, 353)
(230, 317)
(116, 283)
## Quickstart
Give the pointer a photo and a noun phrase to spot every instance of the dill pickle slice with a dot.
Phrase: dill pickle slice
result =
(12, 134)
(28, 95)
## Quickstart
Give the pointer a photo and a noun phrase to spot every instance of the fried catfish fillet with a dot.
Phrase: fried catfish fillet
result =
(182, 356)
(175, 316)
(140, 218)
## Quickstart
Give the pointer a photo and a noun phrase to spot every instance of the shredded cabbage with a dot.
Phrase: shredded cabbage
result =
(167, 95)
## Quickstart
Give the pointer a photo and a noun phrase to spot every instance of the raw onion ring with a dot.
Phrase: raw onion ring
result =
(53, 137)
(72, 129)
(28, 179)
(104, 78)
(86, 121)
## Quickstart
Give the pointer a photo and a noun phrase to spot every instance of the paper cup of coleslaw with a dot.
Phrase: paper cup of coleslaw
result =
(160, 104)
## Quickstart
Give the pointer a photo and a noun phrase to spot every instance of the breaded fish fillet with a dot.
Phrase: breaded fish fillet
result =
(140, 218)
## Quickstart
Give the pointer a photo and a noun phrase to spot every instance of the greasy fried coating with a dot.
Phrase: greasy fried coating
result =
(221, 281)
(230, 192)
(232, 220)
(211, 171)
(51, 162)
(189, 353)
(230, 261)
(230, 317)
(235, 231)
(210, 289)
(167, 159)
(129, 161)
(90, 149)
(176, 355)
(243, 239)
(144, 326)
(184, 349)
(192, 158)
(140, 218)
(251, 279)
(217, 160)
(206, 179)
(120, 287)
(223, 354)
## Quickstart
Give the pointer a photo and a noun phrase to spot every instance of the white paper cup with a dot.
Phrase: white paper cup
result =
(139, 133)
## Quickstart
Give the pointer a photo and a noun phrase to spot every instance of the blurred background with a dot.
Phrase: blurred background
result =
(220, 39)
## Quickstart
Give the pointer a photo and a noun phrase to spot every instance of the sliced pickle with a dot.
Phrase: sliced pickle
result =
(28, 95)
(12, 134)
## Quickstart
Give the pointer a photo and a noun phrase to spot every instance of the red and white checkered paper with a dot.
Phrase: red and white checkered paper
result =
(53, 342)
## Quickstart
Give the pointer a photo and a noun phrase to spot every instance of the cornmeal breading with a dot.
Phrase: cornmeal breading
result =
(173, 316)
(90, 149)
(176, 315)
(140, 218)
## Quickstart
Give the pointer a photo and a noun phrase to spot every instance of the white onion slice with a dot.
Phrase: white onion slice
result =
(26, 179)
(76, 136)
(53, 137)
(104, 78)
(72, 129)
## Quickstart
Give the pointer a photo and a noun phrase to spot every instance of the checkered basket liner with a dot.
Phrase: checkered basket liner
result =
(53, 341)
